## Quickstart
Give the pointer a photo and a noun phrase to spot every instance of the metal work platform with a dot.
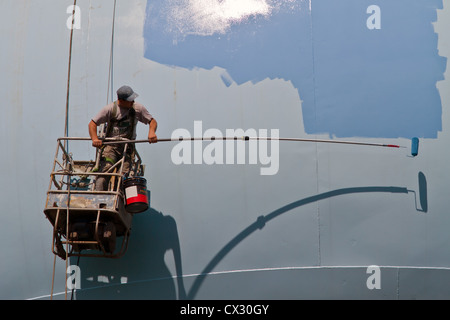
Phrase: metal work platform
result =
(87, 222)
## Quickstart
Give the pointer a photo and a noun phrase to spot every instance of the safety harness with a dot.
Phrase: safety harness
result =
(124, 128)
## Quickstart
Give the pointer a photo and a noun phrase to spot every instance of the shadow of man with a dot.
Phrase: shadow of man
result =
(142, 273)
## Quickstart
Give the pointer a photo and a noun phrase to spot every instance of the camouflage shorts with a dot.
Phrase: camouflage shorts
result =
(113, 153)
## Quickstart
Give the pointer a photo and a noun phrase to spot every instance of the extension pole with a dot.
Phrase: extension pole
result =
(246, 138)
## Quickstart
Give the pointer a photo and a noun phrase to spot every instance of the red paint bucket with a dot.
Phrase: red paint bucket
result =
(136, 199)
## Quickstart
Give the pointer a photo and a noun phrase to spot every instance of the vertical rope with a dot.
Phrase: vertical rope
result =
(66, 124)
(66, 134)
(111, 59)
(67, 236)
(53, 276)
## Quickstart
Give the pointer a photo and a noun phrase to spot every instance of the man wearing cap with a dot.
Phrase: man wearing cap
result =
(121, 117)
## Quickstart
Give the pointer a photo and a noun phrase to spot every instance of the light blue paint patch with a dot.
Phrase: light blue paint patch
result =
(353, 81)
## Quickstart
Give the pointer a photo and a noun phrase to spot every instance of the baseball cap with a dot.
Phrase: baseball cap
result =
(126, 93)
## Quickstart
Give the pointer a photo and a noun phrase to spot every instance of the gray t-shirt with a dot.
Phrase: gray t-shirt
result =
(105, 114)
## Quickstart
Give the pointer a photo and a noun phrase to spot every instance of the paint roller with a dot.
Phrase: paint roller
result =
(414, 146)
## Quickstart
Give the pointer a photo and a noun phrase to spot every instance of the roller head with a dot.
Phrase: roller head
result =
(414, 146)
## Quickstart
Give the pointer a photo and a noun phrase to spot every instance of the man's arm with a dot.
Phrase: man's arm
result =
(96, 142)
(153, 125)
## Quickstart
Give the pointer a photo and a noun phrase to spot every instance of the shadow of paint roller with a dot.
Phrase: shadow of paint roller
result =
(414, 146)
(423, 197)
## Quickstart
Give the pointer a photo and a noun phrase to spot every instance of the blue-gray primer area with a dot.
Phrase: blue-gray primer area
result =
(352, 80)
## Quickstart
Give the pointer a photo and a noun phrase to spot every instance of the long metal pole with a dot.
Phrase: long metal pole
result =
(246, 138)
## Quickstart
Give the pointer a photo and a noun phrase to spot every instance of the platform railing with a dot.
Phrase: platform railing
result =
(72, 200)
